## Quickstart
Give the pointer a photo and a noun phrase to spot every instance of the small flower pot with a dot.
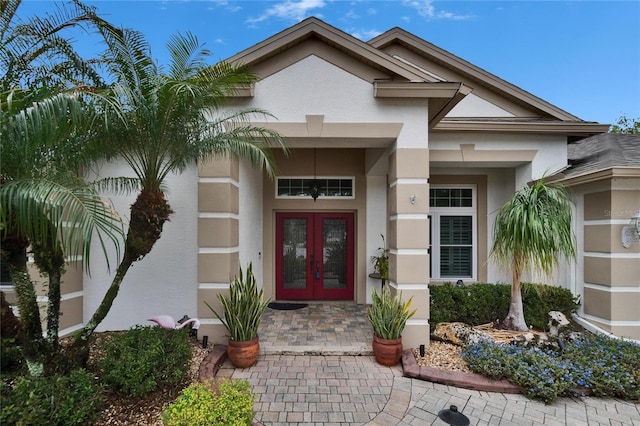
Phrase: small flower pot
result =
(387, 352)
(243, 354)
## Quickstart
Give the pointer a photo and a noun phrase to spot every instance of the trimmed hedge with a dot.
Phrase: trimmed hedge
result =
(477, 304)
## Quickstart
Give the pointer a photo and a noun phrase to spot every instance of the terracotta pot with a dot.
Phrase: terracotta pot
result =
(387, 352)
(243, 354)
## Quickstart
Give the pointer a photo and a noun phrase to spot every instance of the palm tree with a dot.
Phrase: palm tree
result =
(44, 205)
(162, 123)
(531, 231)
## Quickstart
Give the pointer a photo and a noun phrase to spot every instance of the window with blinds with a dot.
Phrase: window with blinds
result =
(453, 241)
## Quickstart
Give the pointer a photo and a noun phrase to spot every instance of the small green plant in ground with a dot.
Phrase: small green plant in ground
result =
(220, 402)
(51, 401)
(143, 358)
(599, 364)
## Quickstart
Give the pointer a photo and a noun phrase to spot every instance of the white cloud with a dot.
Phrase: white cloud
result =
(290, 10)
(225, 4)
(426, 9)
(365, 35)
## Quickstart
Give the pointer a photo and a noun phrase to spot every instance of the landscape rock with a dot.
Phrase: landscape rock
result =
(459, 333)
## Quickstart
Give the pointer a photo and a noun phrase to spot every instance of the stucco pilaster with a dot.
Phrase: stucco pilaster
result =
(218, 238)
(408, 206)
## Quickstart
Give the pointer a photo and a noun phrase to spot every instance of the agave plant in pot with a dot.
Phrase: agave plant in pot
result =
(388, 316)
(242, 313)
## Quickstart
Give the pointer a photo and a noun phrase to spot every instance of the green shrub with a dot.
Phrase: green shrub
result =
(143, 358)
(483, 303)
(51, 401)
(221, 402)
(10, 355)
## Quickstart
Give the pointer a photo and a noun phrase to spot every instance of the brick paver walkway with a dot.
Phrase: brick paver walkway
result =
(309, 384)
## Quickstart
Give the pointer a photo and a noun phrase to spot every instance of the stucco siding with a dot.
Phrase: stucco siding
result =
(291, 95)
(165, 281)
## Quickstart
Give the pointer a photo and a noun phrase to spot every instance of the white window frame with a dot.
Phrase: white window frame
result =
(292, 197)
(436, 213)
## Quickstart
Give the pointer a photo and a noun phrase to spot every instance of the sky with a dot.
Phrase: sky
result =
(581, 56)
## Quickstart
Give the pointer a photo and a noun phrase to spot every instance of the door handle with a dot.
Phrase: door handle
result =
(317, 269)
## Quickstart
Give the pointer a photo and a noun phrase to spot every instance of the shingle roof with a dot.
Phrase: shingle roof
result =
(603, 151)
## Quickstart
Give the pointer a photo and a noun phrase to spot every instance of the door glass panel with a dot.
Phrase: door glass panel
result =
(294, 253)
(334, 235)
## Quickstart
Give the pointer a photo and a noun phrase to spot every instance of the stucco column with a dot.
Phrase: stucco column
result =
(218, 239)
(408, 202)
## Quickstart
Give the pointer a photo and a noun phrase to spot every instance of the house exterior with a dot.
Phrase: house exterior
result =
(402, 139)
(603, 179)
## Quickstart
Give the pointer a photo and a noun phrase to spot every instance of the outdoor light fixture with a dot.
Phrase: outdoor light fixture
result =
(314, 188)
(452, 416)
(412, 198)
(631, 232)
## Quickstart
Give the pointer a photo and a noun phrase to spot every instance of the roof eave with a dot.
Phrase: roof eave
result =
(598, 175)
(582, 129)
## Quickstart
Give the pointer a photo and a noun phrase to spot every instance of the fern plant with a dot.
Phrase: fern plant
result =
(388, 314)
(243, 307)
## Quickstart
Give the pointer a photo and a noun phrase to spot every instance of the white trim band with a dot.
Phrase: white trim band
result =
(614, 323)
(612, 289)
(219, 180)
(409, 181)
(214, 286)
(218, 250)
(612, 255)
(410, 252)
(607, 222)
(409, 216)
(221, 215)
(210, 321)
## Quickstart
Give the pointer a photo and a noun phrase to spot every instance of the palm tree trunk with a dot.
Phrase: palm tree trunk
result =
(148, 215)
(82, 338)
(33, 342)
(515, 317)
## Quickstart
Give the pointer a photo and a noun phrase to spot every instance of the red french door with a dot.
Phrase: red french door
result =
(314, 256)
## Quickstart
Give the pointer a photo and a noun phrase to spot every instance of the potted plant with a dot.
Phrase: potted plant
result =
(381, 262)
(242, 313)
(388, 316)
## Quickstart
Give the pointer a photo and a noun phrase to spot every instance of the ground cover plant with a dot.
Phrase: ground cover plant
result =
(219, 402)
(594, 364)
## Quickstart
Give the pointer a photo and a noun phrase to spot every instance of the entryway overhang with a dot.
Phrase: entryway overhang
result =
(315, 132)
(443, 96)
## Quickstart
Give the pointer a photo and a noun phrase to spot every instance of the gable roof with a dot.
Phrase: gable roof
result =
(551, 118)
(447, 60)
(320, 30)
(402, 78)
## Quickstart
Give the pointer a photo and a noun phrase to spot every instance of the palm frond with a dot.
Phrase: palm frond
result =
(533, 229)
(74, 214)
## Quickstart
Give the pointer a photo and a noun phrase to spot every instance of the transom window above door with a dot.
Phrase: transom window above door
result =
(328, 187)
(453, 240)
